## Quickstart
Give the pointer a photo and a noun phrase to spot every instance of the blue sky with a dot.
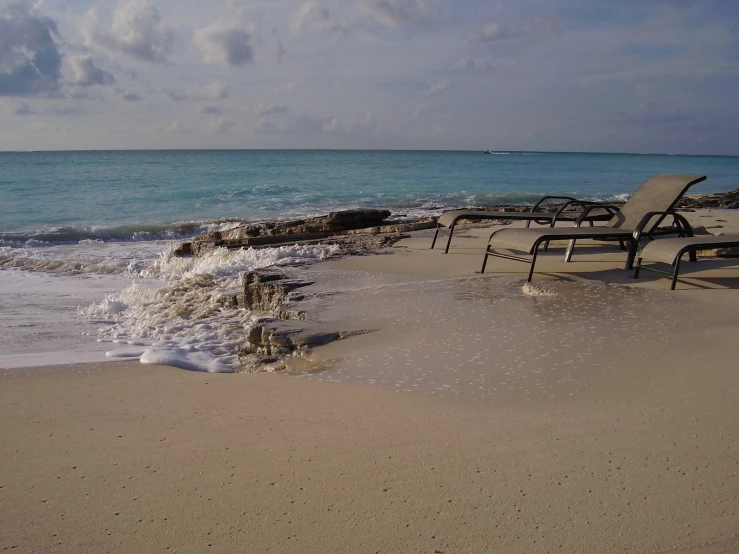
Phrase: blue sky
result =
(556, 75)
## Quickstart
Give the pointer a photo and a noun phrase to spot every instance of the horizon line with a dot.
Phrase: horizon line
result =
(482, 151)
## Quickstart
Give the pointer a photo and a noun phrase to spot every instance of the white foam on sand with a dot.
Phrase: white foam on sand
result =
(538, 289)
(186, 323)
(96, 301)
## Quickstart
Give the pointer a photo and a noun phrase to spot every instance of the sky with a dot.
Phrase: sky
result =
(644, 76)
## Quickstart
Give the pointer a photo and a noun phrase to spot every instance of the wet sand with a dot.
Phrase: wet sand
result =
(587, 417)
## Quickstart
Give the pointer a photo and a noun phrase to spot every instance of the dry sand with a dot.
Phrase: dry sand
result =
(477, 419)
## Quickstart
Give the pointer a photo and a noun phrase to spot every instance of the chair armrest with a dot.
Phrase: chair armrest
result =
(590, 207)
(679, 220)
(543, 199)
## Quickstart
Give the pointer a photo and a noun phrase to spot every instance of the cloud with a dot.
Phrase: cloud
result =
(490, 33)
(136, 31)
(365, 15)
(86, 74)
(227, 41)
(267, 126)
(175, 128)
(266, 108)
(464, 64)
(280, 48)
(330, 126)
(67, 111)
(229, 47)
(214, 91)
(315, 18)
(220, 124)
(440, 86)
(650, 112)
(24, 109)
(421, 108)
(211, 110)
(397, 13)
(130, 96)
(30, 60)
(288, 86)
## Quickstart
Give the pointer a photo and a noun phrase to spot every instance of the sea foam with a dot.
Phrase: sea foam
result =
(184, 319)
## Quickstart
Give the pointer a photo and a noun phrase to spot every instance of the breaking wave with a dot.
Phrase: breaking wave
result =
(186, 324)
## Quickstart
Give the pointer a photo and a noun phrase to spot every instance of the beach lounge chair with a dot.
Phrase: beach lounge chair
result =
(671, 251)
(640, 217)
(538, 213)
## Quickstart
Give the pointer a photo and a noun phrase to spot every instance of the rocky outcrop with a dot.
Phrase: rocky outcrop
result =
(271, 233)
(719, 200)
(270, 342)
(280, 329)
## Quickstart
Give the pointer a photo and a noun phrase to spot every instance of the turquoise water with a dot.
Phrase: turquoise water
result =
(68, 196)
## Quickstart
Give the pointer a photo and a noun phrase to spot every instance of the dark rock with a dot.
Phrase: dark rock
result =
(720, 200)
(335, 224)
(183, 250)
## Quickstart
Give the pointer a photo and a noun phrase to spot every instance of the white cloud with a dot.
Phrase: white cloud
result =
(366, 15)
(490, 32)
(227, 41)
(330, 126)
(315, 18)
(136, 31)
(440, 86)
(175, 127)
(266, 108)
(396, 13)
(86, 74)
(464, 64)
(30, 60)
(214, 91)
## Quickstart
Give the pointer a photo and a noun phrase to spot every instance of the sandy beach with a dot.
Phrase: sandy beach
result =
(593, 414)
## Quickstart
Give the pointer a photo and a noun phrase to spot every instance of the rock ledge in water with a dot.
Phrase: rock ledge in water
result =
(347, 223)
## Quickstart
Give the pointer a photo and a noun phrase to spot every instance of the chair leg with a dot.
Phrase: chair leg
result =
(637, 268)
(675, 272)
(484, 260)
(633, 245)
(449, 240)
(570, 249)
(436, 234)
(533, 262)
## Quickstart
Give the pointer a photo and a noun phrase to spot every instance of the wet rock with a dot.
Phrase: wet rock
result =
(269, 291)
(270, 341)
(315, 229)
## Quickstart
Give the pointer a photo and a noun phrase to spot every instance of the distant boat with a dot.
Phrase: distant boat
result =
(496, 153)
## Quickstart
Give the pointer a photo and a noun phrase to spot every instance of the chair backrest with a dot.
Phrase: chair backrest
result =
(657, 194)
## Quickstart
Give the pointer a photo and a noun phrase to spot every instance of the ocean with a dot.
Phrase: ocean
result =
(87, 271)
